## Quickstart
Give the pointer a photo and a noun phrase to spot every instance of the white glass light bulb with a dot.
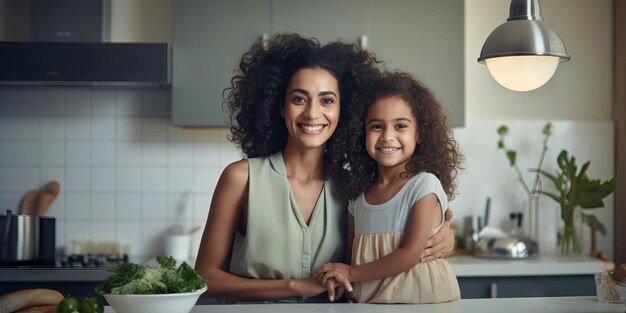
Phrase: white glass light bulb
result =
(522, 73)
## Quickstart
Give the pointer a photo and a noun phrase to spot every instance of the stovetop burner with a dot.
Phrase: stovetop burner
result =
(92, 261)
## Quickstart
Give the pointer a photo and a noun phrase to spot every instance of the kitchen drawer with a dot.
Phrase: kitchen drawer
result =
(527, 286)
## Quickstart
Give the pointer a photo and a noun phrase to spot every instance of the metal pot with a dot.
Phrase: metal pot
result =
(513, 247)
(19, 238)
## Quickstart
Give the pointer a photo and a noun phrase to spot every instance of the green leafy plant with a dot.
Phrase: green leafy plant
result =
(575, 189)
(512, 156)
(130, 278)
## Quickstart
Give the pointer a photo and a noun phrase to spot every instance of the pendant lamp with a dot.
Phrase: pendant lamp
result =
(523, 53)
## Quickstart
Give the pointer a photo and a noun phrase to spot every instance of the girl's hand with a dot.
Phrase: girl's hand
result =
(336, 272)
(442, 243)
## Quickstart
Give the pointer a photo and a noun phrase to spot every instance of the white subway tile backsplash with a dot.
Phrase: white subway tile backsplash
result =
(103, 102)
(103, 206)
(76, 230)
(102, 231)
(128, 103)
(21, 101)
(19, 179)
(57, 208)
(205, 179)
(152, 233)
(154, 206)
(53, 102)
(19, 153)
(154, 153)
(154, 128)
(154, 179)
(201, 205)
(10, 201)
(19, 128)
(77, 179)
(206, 154)
(103, 128)
(128, 128)
(78, 153)
(180, 153)
(52, 127)
(47, 174)
(128, 179)
(179, 179)
(128, 153)
(77, 128)
(180, 207)
(103, 179)
(128, 206)
(77, 206)
(102, 153)
(125, 172)
(52, 152)
(129, 233)
(229, 153)
(78, 101)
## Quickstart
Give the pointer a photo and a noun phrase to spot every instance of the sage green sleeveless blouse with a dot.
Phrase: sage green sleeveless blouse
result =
(278, 243)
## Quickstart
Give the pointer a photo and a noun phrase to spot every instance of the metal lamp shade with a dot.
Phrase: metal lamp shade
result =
(523, 53)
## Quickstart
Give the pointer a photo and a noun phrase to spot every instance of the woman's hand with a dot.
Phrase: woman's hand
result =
(309, 287)
(442, 243)
(336, 277)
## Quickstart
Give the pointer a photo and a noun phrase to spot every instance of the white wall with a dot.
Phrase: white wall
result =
(581, 89)
(578, 99)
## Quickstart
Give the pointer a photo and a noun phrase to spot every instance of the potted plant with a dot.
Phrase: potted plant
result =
(532, 192)
(576, 191)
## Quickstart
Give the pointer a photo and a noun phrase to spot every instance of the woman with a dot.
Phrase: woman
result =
(277, 216)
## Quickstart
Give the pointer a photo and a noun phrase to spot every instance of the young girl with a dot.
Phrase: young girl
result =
(403, 161)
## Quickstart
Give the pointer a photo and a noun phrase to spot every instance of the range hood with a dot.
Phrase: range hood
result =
(84, 63)
(66, 43)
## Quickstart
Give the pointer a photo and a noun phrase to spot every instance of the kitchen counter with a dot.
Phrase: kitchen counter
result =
(510, 305)
(470, 266)
(463, 266)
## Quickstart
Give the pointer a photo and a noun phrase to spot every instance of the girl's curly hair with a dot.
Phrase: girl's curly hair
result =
(437, 153)
(257, 93)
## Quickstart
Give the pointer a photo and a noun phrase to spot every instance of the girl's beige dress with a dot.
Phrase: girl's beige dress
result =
(379, 230)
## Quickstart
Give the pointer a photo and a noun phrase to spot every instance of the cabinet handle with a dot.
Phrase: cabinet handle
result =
(493, 290)
(363, 42)
(265, 40)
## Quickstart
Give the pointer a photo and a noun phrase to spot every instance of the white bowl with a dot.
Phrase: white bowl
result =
(165, 303)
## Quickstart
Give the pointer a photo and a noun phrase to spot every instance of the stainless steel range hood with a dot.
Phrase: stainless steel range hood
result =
(65, 42)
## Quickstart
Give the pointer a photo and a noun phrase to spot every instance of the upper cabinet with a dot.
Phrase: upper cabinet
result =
(423, 37)
(208, 39)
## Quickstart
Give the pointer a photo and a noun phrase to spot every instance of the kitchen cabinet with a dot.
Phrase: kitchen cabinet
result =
(545, 276)
(526, 286)
(422, 37)
(208, 39)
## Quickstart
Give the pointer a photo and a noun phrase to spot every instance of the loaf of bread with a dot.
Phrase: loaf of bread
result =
(22, 299)
(39, 309)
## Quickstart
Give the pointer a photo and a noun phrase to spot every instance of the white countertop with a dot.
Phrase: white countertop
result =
(508, 305)
(470, 266)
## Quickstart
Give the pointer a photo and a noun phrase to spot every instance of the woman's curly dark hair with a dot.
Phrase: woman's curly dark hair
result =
(257, 93)
(437, 152)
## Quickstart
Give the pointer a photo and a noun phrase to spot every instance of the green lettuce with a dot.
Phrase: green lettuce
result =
(130, 278)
